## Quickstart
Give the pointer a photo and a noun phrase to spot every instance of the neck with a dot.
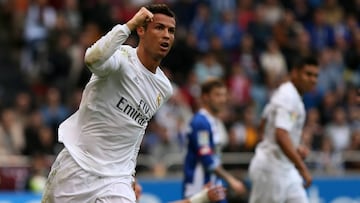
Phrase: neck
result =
(297, 88)
(212, 113)
(150, 63)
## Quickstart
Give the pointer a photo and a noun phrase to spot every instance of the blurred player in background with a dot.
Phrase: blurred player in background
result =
(103, 137)
(277, 169)
(202, 164)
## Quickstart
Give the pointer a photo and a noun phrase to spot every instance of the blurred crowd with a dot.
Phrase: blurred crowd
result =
(248, 43)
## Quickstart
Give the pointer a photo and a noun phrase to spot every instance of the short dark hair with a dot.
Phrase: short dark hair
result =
(211, 84)
(301, 62)
(160, 8)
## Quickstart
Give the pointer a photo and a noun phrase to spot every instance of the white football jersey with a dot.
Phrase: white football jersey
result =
(286, 111)
(104, 135)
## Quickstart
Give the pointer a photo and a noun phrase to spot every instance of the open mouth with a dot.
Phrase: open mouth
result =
(164, 45)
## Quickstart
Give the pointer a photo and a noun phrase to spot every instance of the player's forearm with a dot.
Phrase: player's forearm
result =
(106, 46)
(288, 148)
(219, 171)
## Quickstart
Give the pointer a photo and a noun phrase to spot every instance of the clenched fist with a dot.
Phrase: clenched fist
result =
(142, 16)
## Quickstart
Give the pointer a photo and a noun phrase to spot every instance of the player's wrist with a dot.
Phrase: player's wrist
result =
(131, 25)
(201, 197)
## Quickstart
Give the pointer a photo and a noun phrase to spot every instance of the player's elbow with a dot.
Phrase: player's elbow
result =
(91, 57)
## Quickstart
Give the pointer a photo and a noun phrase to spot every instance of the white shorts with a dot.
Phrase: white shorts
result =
(68, 182)
(274, 186)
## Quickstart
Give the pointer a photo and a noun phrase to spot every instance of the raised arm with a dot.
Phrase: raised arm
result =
(99, 56)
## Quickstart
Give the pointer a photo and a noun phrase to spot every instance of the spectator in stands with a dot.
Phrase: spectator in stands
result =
(40, 19)
(243, 132)
(228, 30)
(352, 150)
(329, 160)
(12, 140)
(177, 113)
(274, 65)
(245, 13)
(201, 26)
(285, 32)
(239, 86)
(338, 130)
(321, 33)
(208, 67)
(333, 13)
(32, 133)
(259, 29)
(248, 59)
(23, 105)
(313, 130)
(53, 109)
(273, 11)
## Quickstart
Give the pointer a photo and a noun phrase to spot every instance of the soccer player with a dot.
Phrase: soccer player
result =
(103, 137)
(202, 164)
(277, 171)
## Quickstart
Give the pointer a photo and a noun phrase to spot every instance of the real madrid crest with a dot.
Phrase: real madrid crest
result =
(158, 99)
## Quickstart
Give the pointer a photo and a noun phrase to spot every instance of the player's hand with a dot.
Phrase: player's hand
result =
(303, 151)
(307, 177)
(137, 189)
(237, 186)
(216, 193)
(142, 16)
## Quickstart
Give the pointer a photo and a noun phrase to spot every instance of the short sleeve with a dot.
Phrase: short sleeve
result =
(284, 119)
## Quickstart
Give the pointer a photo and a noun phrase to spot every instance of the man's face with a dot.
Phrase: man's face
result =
(158, 36)
(217, 99)
(308, 77)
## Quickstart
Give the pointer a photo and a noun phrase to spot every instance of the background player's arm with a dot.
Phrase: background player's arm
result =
(207, 195)
(234, 183)
(201, 145)
(283, 139)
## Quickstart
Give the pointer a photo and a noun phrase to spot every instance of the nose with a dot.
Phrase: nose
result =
(314, 79)
(166, 34)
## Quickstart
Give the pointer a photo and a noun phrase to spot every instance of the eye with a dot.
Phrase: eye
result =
(172, 30)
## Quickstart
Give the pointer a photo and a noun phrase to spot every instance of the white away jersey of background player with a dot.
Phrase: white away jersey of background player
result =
(104, 135)
(286, 111)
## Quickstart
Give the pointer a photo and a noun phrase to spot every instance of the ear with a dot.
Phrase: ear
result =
(140, 31)
(205, 97)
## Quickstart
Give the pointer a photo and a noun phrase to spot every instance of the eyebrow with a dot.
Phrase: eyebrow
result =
(312, 73)
(162, 24)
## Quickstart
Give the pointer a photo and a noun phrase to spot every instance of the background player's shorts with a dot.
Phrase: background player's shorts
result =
(68, 182)
(275, 186)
